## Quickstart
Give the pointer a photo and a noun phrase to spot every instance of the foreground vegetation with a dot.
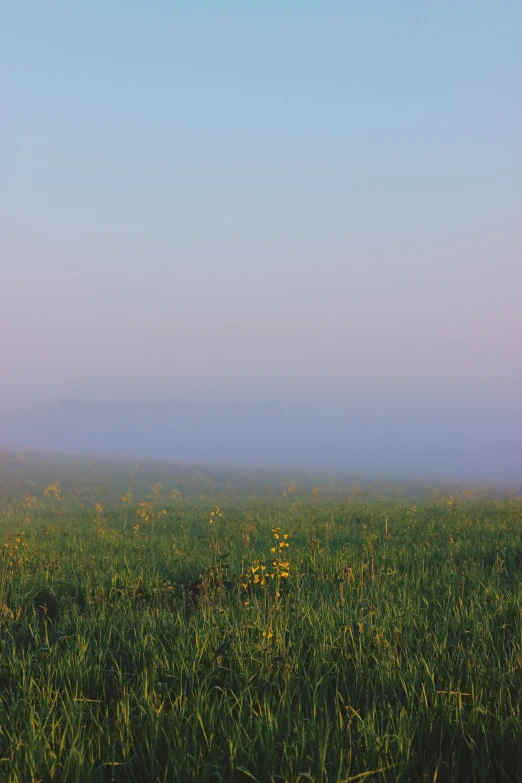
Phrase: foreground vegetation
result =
(195, 629)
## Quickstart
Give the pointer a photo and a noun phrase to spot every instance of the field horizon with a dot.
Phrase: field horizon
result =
(435, 440)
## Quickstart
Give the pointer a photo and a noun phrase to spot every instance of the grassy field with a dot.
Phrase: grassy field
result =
(163, 623)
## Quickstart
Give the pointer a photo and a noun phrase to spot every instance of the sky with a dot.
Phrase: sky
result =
(315, 203)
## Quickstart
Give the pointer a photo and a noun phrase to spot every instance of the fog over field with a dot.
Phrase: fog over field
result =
(264, 235)
(385, 440)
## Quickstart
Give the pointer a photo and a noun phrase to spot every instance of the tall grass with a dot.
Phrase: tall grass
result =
(136, 643)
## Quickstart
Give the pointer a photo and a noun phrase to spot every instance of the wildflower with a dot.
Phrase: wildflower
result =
(52, 491)
(216, 512)
(156, 490)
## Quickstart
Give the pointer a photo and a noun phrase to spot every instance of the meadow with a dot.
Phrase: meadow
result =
(161, 622)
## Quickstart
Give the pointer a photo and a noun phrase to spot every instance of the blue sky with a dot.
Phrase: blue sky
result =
(307, 201)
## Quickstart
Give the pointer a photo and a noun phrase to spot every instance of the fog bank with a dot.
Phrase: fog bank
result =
(440, 442)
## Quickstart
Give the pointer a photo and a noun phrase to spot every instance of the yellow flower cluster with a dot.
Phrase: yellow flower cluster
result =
(52, 491)
(282, 567)
(145, 511)
(216, 512)
(260, 574)
(12, 554)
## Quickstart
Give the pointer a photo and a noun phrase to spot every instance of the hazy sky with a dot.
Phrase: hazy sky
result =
(303, 200)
